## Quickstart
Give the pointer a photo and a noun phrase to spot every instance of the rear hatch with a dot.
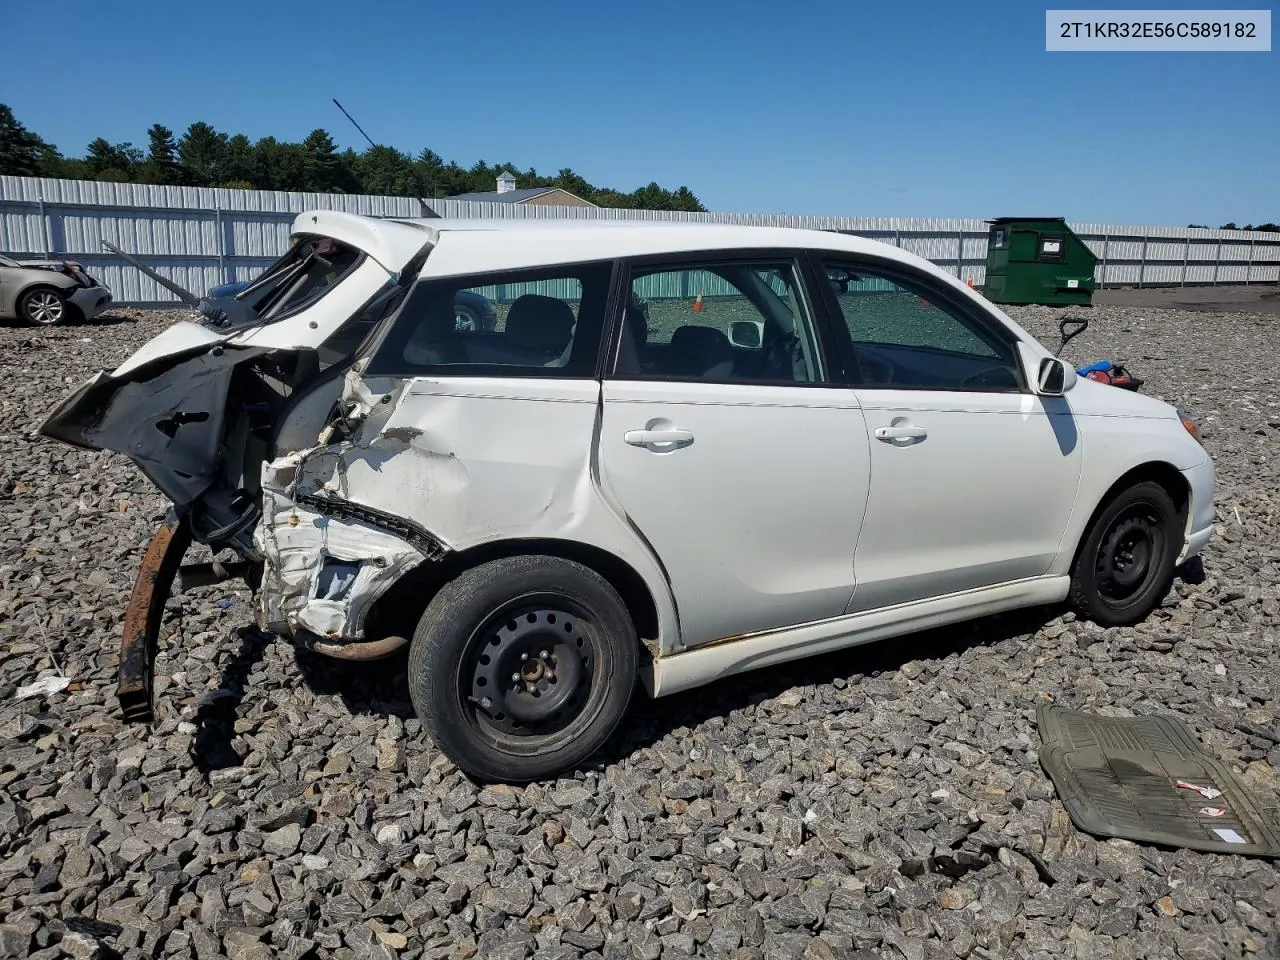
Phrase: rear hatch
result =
(196, 407)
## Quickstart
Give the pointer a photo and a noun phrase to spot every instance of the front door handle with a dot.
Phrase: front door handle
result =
(642, 438)
(890, 434)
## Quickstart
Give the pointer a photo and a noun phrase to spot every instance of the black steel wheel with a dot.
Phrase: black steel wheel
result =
(521, 668)
(1125, 564)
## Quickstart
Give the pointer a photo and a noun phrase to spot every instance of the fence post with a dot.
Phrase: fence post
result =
(44, 227)
(960, 254)
(1106, 253)
(222, 252)
(1142, 264)
(1217, 261)
(897, 238)
(1186, 258)
(1248, 270)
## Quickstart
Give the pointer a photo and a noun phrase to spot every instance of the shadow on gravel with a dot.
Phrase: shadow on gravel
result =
(216, 718)
(374, 687)
(381, 687)
(648, 721)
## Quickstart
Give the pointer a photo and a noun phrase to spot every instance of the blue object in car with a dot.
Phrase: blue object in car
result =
(227, 289)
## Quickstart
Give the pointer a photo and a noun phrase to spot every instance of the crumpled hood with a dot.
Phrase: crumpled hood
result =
(50, 264)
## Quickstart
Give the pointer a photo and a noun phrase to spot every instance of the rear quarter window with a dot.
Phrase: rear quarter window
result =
(533, 323)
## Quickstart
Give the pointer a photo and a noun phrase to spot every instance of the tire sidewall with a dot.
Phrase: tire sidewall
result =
(439, 655)
(1085, 580)
(24, 302)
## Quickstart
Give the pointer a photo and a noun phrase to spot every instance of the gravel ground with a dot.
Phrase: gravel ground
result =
(882, 802)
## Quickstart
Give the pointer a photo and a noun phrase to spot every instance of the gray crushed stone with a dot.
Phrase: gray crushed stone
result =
(885, 802)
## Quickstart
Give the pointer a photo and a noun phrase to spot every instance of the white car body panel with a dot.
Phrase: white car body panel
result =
(983, 498)
(784, 529)
(473, 460)
(749, 539)
(705, 664)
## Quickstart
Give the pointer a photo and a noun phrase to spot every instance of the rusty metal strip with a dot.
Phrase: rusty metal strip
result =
(140, 636)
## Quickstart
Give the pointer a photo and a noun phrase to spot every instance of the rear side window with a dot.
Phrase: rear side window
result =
(722, 322)
(532, 323)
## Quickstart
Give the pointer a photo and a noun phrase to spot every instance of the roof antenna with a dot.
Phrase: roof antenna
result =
(427, 212)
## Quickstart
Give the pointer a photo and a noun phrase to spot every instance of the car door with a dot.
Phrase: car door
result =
(973, 476)
(742, 462)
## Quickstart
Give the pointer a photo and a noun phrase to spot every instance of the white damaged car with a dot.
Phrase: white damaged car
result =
(681, 452)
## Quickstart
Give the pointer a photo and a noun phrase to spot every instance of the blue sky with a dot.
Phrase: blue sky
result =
(847, 108)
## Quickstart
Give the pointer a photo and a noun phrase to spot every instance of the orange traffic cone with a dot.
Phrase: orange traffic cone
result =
(697, 304)
(970, 282)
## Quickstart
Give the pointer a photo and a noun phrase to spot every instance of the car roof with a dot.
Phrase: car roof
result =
(474, 245)
(471, 245)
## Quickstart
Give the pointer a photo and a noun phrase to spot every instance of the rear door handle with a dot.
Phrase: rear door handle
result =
(642, 438)
(889, 434)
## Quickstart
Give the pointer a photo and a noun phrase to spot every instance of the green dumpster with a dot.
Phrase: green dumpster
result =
(1037, 260)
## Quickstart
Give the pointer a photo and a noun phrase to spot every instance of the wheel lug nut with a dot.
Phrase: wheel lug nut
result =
(524, 657)
(543, 654)
(515, 678)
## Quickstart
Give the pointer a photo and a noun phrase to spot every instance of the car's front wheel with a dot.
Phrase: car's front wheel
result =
(521, 668)
(43, 307)
(1125, 564)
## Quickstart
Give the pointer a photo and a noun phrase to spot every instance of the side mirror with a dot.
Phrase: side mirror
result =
(748, 334)
(1054, 377)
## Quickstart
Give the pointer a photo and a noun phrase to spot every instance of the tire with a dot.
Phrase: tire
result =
(504, 629)
(44, 307)
(1125, 564)
(464, 318)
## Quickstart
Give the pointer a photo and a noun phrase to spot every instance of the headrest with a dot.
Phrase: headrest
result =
(540, 323)
(696, 349)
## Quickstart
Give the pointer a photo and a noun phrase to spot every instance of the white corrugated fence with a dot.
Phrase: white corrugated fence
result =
(200, 237)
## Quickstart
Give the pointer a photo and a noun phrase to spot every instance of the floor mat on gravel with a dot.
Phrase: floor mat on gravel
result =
(1147, 779)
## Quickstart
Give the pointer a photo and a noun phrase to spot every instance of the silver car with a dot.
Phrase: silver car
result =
(49, 292)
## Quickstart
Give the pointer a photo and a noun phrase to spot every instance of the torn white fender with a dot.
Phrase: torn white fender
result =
(465, 462)
(297, 543)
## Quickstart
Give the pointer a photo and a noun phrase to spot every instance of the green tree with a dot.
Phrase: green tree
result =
(117, 162)
(22, 153)
(325, 171)
(162, 157)
(202, 153)
(203, 156)
(279, 166)
(386, 171)
(238, 162)
(429, 169)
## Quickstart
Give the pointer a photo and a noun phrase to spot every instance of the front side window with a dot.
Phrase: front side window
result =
(907, 336)
(718, 322)
(523, 323)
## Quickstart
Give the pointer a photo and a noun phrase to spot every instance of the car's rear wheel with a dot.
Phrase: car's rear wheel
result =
(1125, 564)
(464, 318)
(44, 307)
(522, 668)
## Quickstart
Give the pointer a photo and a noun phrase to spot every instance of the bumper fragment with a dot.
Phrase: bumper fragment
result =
(141, 633)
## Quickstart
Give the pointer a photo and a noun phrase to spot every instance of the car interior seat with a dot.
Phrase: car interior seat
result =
(539, 328)
(701, 351)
